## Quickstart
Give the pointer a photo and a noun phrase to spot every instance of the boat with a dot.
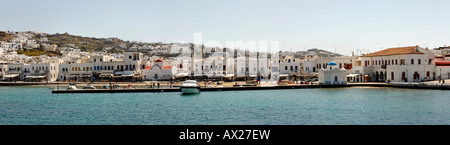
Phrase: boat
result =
(72, 87)
(190, 87)
(89, 87)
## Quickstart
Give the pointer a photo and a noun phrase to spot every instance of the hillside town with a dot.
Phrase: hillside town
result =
(176, 61)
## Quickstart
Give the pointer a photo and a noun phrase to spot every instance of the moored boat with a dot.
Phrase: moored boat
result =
(190, 87)
(72, 87)
(89, 87)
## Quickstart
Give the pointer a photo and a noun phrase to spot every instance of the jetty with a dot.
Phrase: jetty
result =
(209, 89)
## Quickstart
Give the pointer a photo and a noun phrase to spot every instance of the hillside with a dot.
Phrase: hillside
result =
(85, 43)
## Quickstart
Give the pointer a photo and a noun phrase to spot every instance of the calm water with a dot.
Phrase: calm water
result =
(36, 105)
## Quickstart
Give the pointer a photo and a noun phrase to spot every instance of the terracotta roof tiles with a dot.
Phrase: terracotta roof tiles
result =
(395, 51)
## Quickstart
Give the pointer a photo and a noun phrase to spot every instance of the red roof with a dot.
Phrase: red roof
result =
(158, 60)
(447, 55)
(442, 63)
(148, 67)
(395, 51)
(167, 67)
(439, 56)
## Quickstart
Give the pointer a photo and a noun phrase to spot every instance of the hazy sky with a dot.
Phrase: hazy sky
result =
(327, 24)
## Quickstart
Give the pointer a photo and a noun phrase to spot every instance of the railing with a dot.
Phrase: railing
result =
(383, 66)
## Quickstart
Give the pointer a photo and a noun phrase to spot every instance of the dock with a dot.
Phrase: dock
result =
(210, 89)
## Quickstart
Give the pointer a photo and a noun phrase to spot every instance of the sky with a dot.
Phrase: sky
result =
(341, 25)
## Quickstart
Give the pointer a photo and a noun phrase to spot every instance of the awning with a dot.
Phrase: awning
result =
(352, 75)
(35, 77)
(105, 74)
(283, 75)
(128, 73)
(86, 75)
(181, 74)
(218, 75)
(229, 75)
(11, 76)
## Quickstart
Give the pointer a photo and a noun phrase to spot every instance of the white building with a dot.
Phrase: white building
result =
(158, 72)
(76, 71)
(402, 64)
(41, 72)
(332, 75)
(442, 66)
(14, 72)
(290, 67)
(3, 69)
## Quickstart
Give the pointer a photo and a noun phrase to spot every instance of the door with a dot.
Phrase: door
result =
(392, 75)
(403, 75)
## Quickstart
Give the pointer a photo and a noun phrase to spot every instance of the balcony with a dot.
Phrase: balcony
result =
(383, 66)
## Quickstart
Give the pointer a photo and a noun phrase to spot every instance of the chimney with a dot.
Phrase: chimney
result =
(417, 48)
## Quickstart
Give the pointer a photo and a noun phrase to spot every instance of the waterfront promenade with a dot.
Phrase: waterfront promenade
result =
(122, 87)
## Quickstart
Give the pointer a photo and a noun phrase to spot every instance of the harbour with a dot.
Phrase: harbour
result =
(276, 87)
(362, 105)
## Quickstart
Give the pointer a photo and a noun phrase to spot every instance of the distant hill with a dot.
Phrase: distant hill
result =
(85, 43)
(5, 37)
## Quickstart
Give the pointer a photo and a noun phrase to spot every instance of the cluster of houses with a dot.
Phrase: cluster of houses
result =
(400, 64)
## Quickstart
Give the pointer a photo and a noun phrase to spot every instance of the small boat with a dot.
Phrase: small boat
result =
(72, 87)
(190, 87)
(89, 87)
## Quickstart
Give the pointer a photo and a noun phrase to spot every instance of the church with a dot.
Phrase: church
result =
(332, 75)
(158, 72)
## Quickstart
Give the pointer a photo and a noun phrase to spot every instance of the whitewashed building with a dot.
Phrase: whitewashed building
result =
(158, 72)
(401, 64)
(332, 75)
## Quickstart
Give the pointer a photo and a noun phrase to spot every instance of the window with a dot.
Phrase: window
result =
(335, 78)
(285, 67)
(396, 62)
(412, 61)
(296, 68)
(101, 60)
(129, 57)
(95, 60)
(292, 68)
(418, 61)
(402, 62)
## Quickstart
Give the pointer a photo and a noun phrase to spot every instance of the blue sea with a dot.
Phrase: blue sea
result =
(348, 106)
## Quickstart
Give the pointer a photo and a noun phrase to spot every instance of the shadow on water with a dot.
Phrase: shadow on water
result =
(189, 95)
